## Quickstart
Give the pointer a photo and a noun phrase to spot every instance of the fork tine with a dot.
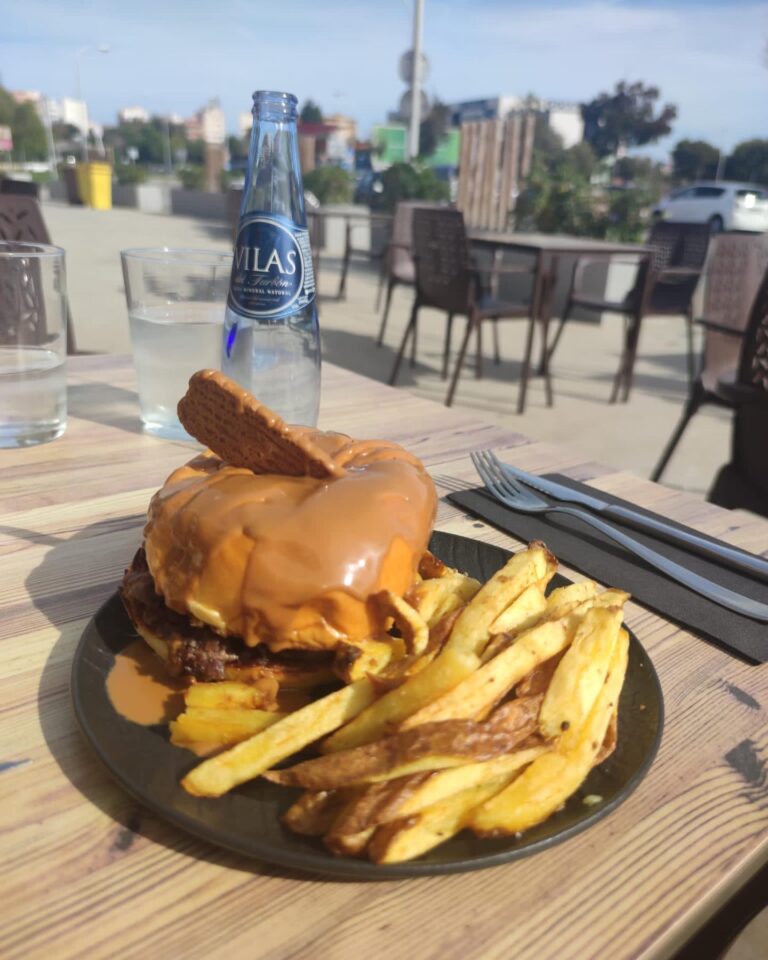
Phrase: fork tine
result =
(502, 485)
(487, 475)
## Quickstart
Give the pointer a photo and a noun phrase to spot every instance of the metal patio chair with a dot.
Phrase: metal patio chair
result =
(735, 266)
(665, 283)
(447, 280)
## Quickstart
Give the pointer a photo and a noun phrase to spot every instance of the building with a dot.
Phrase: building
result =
(391, 142)
(208, 124)
(72, 112)
(27, 96)
(245, 123)
(563, 117)
(133, 115)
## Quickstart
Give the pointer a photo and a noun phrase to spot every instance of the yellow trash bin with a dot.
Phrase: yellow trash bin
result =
(95, 183)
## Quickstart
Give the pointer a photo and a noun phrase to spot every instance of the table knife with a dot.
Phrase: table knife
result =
(722, 553)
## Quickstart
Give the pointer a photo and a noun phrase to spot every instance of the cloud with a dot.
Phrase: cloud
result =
(172, 55)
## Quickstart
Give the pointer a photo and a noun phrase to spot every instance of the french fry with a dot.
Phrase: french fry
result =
(431, 567)
(409, 837)
(548, 782)
(219, 726)
(538, 680)
(471, 632)
(314, 813)
(521, 613)
(409, 621)
(394, 799)
(432, 746)
(294, 676)
(612, 598)
(581, 673)
(217, 775)
(448, 669)
(435, 598)
(230, 693)
(483, 688)
(348, 844)
(564, 599)
(354, 661)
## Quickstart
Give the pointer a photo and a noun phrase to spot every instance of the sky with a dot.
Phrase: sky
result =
(709, 57)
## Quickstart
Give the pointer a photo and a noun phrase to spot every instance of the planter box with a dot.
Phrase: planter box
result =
(196, 203)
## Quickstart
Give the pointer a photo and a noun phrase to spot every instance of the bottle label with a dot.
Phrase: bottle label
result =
(272, 275)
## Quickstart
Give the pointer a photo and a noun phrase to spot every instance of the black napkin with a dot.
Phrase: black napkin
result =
(585, 549)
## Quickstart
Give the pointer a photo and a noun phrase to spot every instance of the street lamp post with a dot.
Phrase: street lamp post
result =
(413, 132)
(102, 48)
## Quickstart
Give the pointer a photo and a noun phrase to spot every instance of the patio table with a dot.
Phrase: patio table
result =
(87, 872)
(351, 218)
(552, 247)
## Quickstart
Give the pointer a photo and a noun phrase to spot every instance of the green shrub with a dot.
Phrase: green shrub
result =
(329, 184)
(192, 178)
(129, 174)
(404, 181)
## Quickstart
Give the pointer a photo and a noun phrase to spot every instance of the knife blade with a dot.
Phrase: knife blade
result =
(722, 553)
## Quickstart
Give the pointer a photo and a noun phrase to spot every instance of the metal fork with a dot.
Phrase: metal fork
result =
(512, 493)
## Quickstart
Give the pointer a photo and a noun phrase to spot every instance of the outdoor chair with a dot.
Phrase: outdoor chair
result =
(665, 283)
(735, 266)
(21, 219)
(376, 222)
(447, 280)
(397, 266)
(743, 483)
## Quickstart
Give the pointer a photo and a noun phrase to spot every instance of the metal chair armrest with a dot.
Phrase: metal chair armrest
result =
(742, 393)
(719, 328)
(669, 273)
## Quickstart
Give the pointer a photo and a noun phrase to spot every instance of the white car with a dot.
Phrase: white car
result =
(721, 204)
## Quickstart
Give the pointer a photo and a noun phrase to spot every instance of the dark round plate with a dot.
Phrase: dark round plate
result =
(247, 820)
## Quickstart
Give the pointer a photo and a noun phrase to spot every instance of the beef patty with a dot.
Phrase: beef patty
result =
(193, 649)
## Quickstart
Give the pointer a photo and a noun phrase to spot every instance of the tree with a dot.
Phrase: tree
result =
(329, 184)
(28, 132)
(546, 141)
(29, 142)
(7, 108)
(694, 160)
(311, 112)
(238, 148)
(749, 161)
(404, 181)
(433, 128)
(626, 118)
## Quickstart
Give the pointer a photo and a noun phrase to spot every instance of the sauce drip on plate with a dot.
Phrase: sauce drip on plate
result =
(138, 689)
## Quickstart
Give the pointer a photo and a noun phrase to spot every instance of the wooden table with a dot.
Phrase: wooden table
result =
(88, 873)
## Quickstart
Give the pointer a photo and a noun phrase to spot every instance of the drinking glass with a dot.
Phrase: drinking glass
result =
(176, 301)
(33, 343)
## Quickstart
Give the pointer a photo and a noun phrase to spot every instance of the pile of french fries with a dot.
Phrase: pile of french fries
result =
(486, 713)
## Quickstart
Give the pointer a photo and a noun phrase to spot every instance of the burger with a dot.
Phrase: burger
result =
(245, 573)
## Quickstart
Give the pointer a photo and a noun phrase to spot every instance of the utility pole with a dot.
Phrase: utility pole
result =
(102, 48)
(167, 156)
(415, 122)
(51, 145)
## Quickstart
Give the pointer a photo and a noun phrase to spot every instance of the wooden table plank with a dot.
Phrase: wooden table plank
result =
(87, 872)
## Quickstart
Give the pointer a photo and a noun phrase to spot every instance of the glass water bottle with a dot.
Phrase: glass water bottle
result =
(271, 336)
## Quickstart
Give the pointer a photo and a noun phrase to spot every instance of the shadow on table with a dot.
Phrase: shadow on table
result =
(75, 759)
(105, 404)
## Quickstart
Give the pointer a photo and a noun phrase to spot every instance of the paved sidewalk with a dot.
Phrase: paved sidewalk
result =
(628, 436)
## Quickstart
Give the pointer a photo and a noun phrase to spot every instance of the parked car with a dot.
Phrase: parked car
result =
(721, 204)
